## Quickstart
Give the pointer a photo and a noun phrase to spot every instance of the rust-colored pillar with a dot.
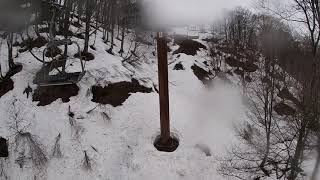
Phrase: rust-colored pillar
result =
(164, 142)
(163, 88)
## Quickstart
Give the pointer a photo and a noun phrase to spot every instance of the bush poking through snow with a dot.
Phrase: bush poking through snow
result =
(3, 173)
(34, 147)
(86, 164)
(106, 117)
(76, 128)
(26, 144)
(56, 151)
(21, 160)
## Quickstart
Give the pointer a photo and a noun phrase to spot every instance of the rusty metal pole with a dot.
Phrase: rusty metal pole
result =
(163, 88)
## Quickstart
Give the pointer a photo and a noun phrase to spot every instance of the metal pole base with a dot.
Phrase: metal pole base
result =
(169, 146)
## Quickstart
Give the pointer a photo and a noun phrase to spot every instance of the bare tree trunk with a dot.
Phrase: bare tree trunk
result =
(10, 49)
(112, 20)
(87, 30)
(122, 37)
(66, 24)
(295, 163)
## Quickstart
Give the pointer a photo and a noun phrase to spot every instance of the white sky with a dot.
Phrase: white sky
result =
(181, 12)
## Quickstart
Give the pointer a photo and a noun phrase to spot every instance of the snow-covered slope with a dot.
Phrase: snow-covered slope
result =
(120, 145)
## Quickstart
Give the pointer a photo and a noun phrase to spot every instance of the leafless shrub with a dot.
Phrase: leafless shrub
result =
(28, 145)
(34, 147)
(86, 164)
(21, 159)
(3, 173)
(56, 151)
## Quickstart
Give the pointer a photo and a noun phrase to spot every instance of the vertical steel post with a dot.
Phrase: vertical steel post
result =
(163, 88)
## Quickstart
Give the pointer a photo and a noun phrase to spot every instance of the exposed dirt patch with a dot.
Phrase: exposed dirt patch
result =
(85, 56)
(284, 110)
(48, 94)
(239, 72)
(117, 93)
(249, 67)
(287, 95)
(212, 40)
(79, 35)
(188, 47)
(61, 33)
(201, 74)
(233, 62)
(14, 70)
(177, 39)
(3, 147)
(178, 66)
(6, 84)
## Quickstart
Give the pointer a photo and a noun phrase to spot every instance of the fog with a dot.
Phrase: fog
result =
(164, 13)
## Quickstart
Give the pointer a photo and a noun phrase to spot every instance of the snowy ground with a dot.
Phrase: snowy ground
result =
(200, 117)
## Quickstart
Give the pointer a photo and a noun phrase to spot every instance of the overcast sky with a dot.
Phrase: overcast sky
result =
(178, 12)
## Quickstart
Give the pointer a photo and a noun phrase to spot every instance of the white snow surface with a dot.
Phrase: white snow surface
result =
(125, 151)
